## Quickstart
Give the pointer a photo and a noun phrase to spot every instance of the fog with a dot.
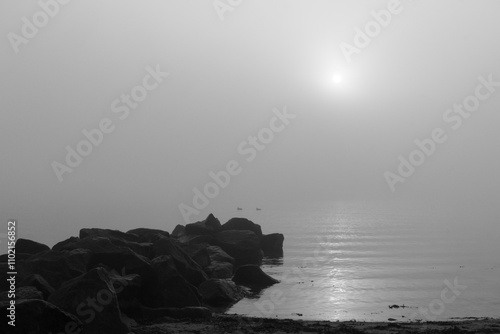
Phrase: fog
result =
(262, 69)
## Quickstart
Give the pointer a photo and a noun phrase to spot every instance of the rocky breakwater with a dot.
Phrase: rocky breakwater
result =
(105, 281)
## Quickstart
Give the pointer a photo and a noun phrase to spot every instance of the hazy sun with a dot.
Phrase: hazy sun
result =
(337, 78)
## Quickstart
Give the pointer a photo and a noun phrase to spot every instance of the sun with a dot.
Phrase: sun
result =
(337, 79)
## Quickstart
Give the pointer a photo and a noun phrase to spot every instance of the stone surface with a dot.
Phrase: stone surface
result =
(243, 246)
(253, 276)
(220, 292)
(92, 298)
(210, 225)
(39, 316)
(242, 224)
(100, 232)
(27, 246)
(55, 267)
(272, 244)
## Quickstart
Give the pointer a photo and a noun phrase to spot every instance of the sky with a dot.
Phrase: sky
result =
(195, 107)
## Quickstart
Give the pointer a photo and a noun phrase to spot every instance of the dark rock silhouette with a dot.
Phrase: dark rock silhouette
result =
(38, 282)
(220, 291)
(110, 234)
(55, 267)
(26, 246)
(253, 276)
(242, 224)
(243, 246)
(272, 244)
(43, 317)
(210, 225)
(145, 234)
(98, 311)
(103, 280)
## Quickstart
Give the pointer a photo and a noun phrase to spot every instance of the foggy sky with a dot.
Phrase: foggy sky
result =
(225, 79)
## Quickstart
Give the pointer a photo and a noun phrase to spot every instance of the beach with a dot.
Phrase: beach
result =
(238, 324)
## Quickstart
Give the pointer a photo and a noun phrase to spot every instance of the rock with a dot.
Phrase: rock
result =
(196, 239)
(27, 246)
(198, 252)
(220, 292)
(128, 291)
(93, 244)
(216, 254)
(28, 292)
(38, 282)
(218, 269)
(145, 234)
(101, 244)
(25, 292)
(173, 282)
(39, 316)
(253, 276)
(55, 267)
(242, 224)
(178, 231)
(92, 297)
(188, 268)
(60, 245)
(210, 225)
(100, 232)
(18, 257)
(243, 246)
(177, 292)
(176, 313)
(272, 244)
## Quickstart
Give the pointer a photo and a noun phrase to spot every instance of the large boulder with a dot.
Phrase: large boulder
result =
(178, 231)
(27, 246)
(100, 232)
(17, 256)
(62, 244)
(196, 239)
(243, 246)
(175, 291)
(272, 244)
(39, 316)
(173, 285)
(220, 292)
(102, 244)
(218, 269)
(198, 252)
(24, 292)
(28, 292)
(216, 254)
(210, 225)
(38, 282)
(185, 265)
(55, 267)
(242, 224)
(92, 297)
(145, 234)
(253, 276)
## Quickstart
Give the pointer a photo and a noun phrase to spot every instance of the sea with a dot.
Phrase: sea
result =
(379, 260)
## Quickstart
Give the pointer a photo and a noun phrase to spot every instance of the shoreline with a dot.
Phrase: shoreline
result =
(225, 323)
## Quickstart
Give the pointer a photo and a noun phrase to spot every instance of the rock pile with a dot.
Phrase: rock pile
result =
(103, 281)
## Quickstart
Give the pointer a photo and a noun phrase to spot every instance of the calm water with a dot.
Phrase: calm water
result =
(351, 260)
